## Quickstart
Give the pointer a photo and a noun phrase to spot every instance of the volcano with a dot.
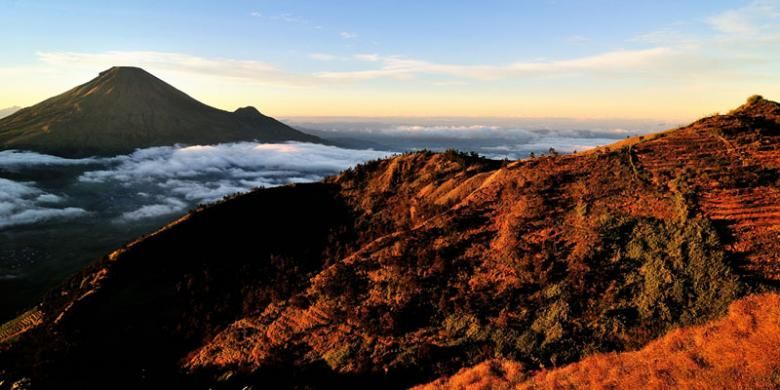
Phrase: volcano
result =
(126, 108)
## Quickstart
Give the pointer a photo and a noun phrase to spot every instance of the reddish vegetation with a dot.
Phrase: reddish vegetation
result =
(488, 375)
(408, 269)
(740, 351)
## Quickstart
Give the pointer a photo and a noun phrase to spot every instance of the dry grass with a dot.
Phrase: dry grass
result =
(740, 351)
(492, 374)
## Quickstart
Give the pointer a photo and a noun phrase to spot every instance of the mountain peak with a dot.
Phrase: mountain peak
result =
(125, 108)
(123, 69)
(248, 112)
(128, 73)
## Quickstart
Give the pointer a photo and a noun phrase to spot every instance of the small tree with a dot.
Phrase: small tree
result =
(755, 99)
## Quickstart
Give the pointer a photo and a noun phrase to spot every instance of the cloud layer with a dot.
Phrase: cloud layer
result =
(23, 203)
(175, 178)
(16, 158)
(161, 181)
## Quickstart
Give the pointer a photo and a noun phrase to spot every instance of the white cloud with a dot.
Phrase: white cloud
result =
(178, 177)
(286, 18)
(367, 57)
(322, 57)
(347, 35)
(400, 67)
(732, 22)
(23, 203)
(170, 206)
(257, 71)
(754, 18)
(11, 158)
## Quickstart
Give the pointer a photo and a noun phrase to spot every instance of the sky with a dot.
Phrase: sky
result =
(661, 60)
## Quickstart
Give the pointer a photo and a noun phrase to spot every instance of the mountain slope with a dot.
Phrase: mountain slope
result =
(738, 351)
(405, 270)
(125, 108)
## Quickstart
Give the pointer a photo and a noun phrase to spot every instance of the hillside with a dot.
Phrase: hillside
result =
(405, 270)
(125, 108)
(738, 351)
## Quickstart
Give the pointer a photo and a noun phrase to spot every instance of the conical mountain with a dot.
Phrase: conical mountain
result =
(125, 108)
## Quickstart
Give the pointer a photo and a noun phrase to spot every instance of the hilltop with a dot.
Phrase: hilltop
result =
(405, 270)
(126, 108)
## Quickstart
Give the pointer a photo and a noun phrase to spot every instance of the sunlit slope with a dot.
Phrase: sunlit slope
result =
(740, 351)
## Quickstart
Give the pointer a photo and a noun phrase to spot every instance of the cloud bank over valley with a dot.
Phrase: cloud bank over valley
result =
(158, 181)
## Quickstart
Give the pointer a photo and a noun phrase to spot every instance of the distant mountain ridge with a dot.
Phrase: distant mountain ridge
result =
(126, 108)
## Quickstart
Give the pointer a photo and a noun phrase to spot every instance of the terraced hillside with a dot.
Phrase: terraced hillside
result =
(732, 175)
(408, 269)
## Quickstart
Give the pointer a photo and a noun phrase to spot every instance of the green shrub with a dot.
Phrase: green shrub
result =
(683, 275)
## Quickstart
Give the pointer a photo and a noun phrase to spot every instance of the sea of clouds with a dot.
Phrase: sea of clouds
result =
(164, 181)
(24, 203)
(511, 138)
(159, 181)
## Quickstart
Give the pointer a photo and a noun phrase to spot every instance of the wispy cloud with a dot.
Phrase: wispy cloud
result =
(286, 18)
(15, 158)
(166, 207)
(754, 18)
(366, 57)
(347, 35)
(322, 57)
(23, 203)
(392, 67)
(578, 38)
(253, 70)
(404, 68)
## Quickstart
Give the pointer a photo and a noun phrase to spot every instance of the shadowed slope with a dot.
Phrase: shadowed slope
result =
(125, 108)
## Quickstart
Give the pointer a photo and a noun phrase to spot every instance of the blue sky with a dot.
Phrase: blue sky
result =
(655, 59)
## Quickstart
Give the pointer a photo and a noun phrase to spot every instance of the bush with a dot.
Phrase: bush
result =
(683, 275)
(755, 99)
